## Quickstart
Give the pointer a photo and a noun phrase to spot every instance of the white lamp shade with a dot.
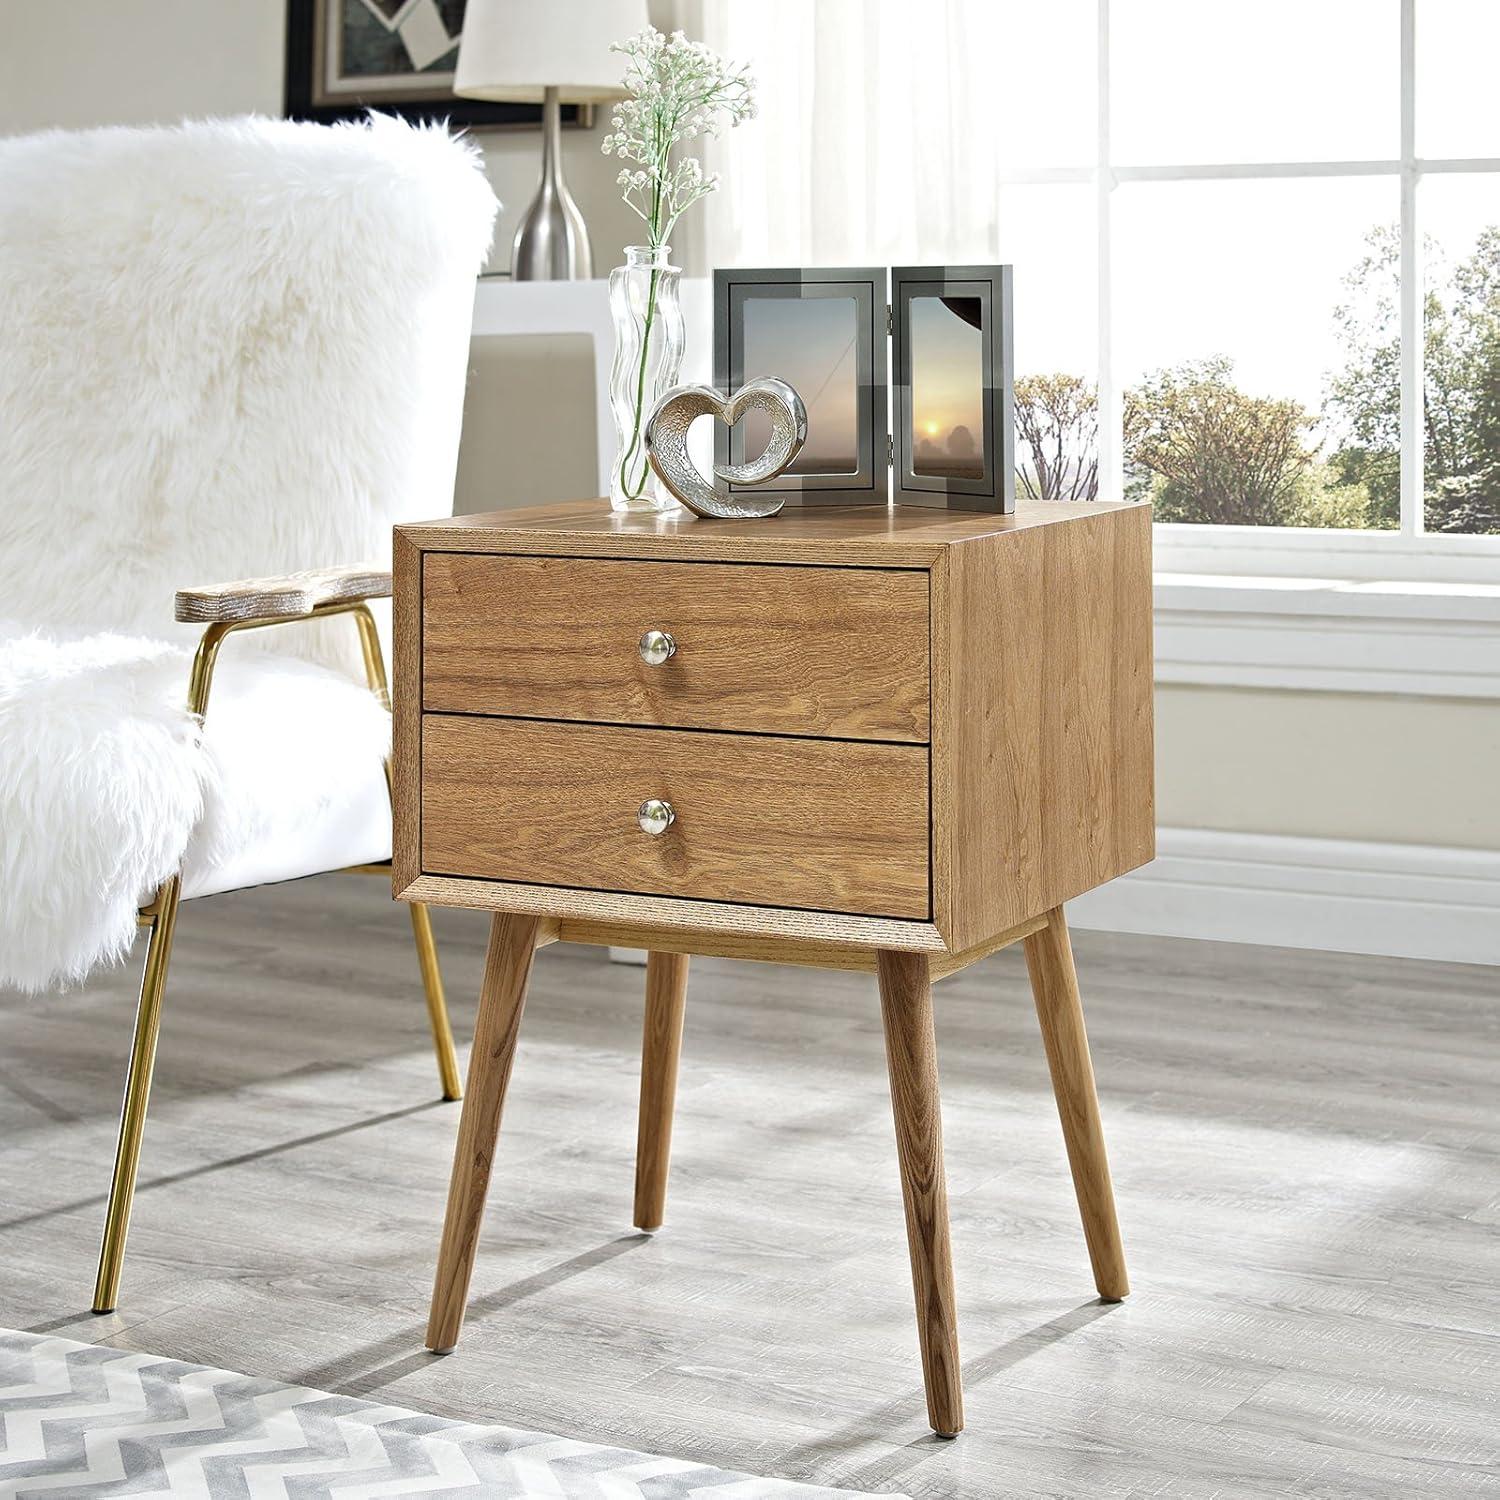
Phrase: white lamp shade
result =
(513, 49)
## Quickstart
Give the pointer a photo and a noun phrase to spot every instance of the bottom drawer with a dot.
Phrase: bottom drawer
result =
(830, 825)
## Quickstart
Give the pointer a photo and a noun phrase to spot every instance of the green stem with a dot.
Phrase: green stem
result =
(634, 491)
(661, 141)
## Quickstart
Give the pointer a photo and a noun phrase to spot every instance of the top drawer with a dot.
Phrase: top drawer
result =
(836, 652)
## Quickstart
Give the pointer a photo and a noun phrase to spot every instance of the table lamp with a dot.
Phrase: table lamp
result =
(541, 51)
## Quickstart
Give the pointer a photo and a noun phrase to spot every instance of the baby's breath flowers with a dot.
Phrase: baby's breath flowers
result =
(678, 90)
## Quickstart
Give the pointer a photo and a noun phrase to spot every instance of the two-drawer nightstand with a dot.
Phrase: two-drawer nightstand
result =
(883, 739)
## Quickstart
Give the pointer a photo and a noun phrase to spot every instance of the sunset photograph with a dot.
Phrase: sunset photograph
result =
(947, 388)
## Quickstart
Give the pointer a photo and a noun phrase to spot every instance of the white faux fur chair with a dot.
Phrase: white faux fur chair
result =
(228, 349)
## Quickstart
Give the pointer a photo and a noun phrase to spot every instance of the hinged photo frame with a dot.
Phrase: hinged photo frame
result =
(929, 421)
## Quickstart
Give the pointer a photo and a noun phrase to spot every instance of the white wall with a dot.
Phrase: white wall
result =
(119, 62)
(1358, 766)
(76, 63)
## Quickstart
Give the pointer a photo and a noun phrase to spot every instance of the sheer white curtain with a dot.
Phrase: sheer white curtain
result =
(876, 140)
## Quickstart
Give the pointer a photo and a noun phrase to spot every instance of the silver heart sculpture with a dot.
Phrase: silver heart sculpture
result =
(666, 445)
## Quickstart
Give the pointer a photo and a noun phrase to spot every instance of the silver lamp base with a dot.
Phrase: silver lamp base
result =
(551, 243)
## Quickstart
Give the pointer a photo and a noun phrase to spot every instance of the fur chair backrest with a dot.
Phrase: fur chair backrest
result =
(227, 349)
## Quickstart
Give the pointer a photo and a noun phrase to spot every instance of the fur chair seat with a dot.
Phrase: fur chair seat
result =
(229, 349)
(108, 786)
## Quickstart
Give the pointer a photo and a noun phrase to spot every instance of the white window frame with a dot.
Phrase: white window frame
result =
(1409, 553)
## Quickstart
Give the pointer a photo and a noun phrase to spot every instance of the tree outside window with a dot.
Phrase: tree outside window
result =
(1206, 451)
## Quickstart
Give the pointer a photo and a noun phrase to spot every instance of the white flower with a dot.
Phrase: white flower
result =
(678, 90)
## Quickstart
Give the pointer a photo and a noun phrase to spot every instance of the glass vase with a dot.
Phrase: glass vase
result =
(643, 302)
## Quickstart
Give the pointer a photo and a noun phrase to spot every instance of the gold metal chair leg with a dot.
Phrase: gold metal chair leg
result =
(163, 919)
(421, 922)
(437, 1006)
(161, 916)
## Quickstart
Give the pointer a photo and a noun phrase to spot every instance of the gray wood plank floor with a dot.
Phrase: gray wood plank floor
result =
(1306, 1151)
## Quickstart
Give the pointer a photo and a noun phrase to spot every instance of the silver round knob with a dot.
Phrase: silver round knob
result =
(655, 816)
(656, 646)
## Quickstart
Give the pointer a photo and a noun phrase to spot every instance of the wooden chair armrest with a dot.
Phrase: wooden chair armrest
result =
(290, 597)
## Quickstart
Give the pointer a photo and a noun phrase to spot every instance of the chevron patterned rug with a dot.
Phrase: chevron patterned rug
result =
(81, 1419)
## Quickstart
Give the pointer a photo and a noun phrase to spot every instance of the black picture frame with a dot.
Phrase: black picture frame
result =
(429, 97)
(734, 288)
(990, 288)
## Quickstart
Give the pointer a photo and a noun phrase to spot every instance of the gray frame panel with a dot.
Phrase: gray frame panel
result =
(997, 490)
(870, 485)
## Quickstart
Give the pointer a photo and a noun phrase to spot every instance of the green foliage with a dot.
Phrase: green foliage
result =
(1218, 456)
(1378, 472)
(1317, 498)
(1324, 498)
(1468, 498)
(1461, 396)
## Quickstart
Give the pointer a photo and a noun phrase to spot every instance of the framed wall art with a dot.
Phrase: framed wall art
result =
(928, 421)
(344, 57)
(824, 332)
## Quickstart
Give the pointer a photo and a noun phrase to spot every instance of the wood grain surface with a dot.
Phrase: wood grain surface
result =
(406, 714)
(1039, 710)
(771, 650)
(860, 536)
(286, 597)
(911, 1061)
(1042, 742)
(502, 998)
(1054, 986)
(661, 1048)
(832, 824)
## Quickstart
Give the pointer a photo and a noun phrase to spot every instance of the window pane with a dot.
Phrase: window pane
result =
(1458, 45)
(1460, 218)
(1049, 235)
(1278, 80)
(1256, 326)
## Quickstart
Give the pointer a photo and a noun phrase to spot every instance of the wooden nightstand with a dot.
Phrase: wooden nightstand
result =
(891, 740)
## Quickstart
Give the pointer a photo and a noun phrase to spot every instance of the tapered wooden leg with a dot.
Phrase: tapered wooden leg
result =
(661, 1046)
(501, 1001)
(911, 1057)
(1054, 984)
